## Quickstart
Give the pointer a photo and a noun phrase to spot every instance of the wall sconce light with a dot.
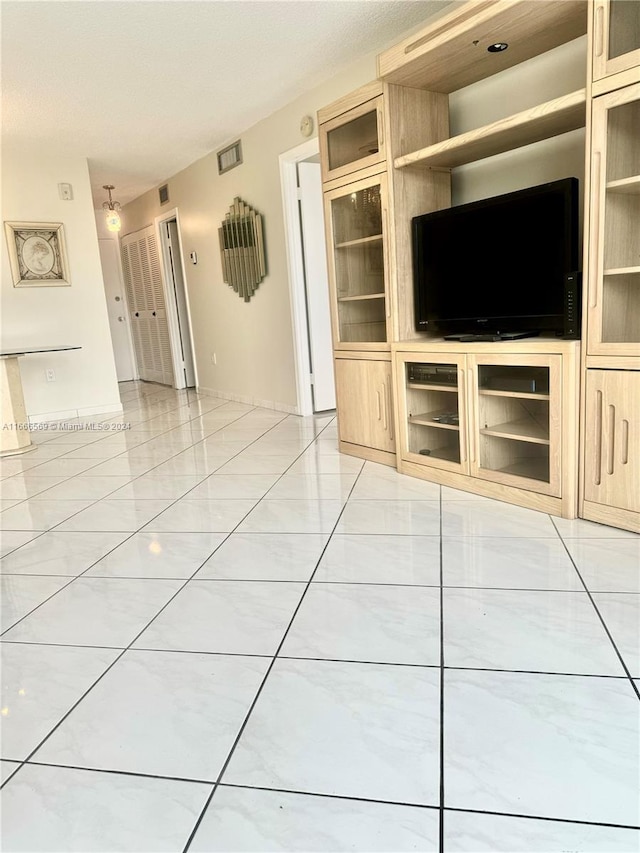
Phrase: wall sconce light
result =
(112, 210)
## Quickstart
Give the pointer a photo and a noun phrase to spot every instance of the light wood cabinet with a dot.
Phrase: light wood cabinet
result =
(364, 400)
(614, 241)
(615, 41)
(351, 135)
(356, 226)
(494, 422)
(612, 448)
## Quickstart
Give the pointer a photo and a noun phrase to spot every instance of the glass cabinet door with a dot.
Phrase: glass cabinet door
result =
(357, 262)
(515, 435)
(433, 412)
(353, 140)
(616, 40)
(614, 263)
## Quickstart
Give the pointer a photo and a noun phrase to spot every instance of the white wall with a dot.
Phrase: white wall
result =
(253, 342)
(85, 379)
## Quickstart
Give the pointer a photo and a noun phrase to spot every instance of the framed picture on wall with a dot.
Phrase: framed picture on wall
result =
(37, 254)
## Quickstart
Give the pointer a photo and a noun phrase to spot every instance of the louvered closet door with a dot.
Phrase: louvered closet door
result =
(145, 294)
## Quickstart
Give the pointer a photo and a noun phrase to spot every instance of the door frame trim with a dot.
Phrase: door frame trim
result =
(293, 243)
(173, 321)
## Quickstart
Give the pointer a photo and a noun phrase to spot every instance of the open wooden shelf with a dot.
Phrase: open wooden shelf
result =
(433, 387)
(451, 52)
(540, 122)
(530, 469)
(522, 430)
(361, 298)
(630, 186)
(427, 419)
(360, 241)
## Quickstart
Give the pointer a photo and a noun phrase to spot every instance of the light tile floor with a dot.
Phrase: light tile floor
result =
(219, 634)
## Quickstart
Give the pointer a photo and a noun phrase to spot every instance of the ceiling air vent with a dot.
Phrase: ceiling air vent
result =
(163, 194)
(229, 157)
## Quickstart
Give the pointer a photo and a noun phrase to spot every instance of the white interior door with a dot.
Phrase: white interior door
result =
(117, 311)
(145, 295)
(317, 287)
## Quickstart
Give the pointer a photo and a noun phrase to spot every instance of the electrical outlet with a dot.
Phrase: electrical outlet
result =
(50, 374)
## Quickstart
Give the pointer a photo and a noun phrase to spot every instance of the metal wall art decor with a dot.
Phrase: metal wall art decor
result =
(37, 254)
(242, 249)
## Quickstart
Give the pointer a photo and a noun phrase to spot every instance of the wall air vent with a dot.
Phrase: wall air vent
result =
(229, 157)
(163, 194)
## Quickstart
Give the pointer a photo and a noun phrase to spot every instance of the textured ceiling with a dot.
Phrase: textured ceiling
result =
(142, 88)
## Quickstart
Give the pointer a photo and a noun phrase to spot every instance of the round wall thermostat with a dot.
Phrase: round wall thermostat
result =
(306, 125)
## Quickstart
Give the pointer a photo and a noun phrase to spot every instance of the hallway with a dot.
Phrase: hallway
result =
(220, 634)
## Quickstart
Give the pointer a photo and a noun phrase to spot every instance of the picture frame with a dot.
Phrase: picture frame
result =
(37, 254)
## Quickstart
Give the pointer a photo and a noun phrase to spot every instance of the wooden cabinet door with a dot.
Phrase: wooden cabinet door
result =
(364, 403)
(612, 439)
(353, 140)
(616, 37)
(515, 424)
(614, 240)
(356, 231)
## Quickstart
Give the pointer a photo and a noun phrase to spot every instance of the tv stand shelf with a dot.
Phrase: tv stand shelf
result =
(540, 122)
(510, 443)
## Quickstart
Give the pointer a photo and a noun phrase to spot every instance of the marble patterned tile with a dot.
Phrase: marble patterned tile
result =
(158, 555)
(7, 769)
(232, 617)
(116, 515)
(20, 594)
(233, 487)
(475, 518)
(621, 613)
(40, 684)
(381, 623)
(406, 518)
(84, 812)
(292, 516)
(40, 514)
(508, 563)
(379, 558)
(579, 528)
(160, 713)
(248, 464)
(83, 488)
(265, 556)
(384, 483)
(313, 487)
(12, 539)
(56, 553)
(480, 833)
(311, 463)
(607, 565)
(27, 485)
(346, 729)
(240, 819)
(7, 503)
(149, 487)
(93, 611)
(536, 631)
(202, 516)
(552, 746)
(120, 466)
(63, 467)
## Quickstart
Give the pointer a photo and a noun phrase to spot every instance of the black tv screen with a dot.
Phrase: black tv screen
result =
(498, 265)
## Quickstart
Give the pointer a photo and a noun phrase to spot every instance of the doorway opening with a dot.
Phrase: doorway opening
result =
(309, 290)
(177, 302)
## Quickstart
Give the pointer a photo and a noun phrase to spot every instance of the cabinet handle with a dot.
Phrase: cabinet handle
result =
(611, 446)
(384, 407)
(595, 286)
(597, 479)
(624, 443)
(472, 424)
(462, 436)
(599, 31)
(378, 405)
(385, 241)
(388, 407)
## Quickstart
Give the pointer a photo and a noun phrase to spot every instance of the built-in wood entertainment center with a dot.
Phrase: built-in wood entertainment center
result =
(543, 422)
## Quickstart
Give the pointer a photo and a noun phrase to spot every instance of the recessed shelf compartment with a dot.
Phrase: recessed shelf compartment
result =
(360, 298)
(432, 419)
(533, 125)
(428, 387)
(625, 185)
(374, 238)
(524, 430)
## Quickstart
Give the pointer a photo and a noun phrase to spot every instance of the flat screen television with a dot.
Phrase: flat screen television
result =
(504, 266)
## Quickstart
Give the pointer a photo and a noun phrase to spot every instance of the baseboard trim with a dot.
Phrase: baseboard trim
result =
(249, 401)
(72, 414)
